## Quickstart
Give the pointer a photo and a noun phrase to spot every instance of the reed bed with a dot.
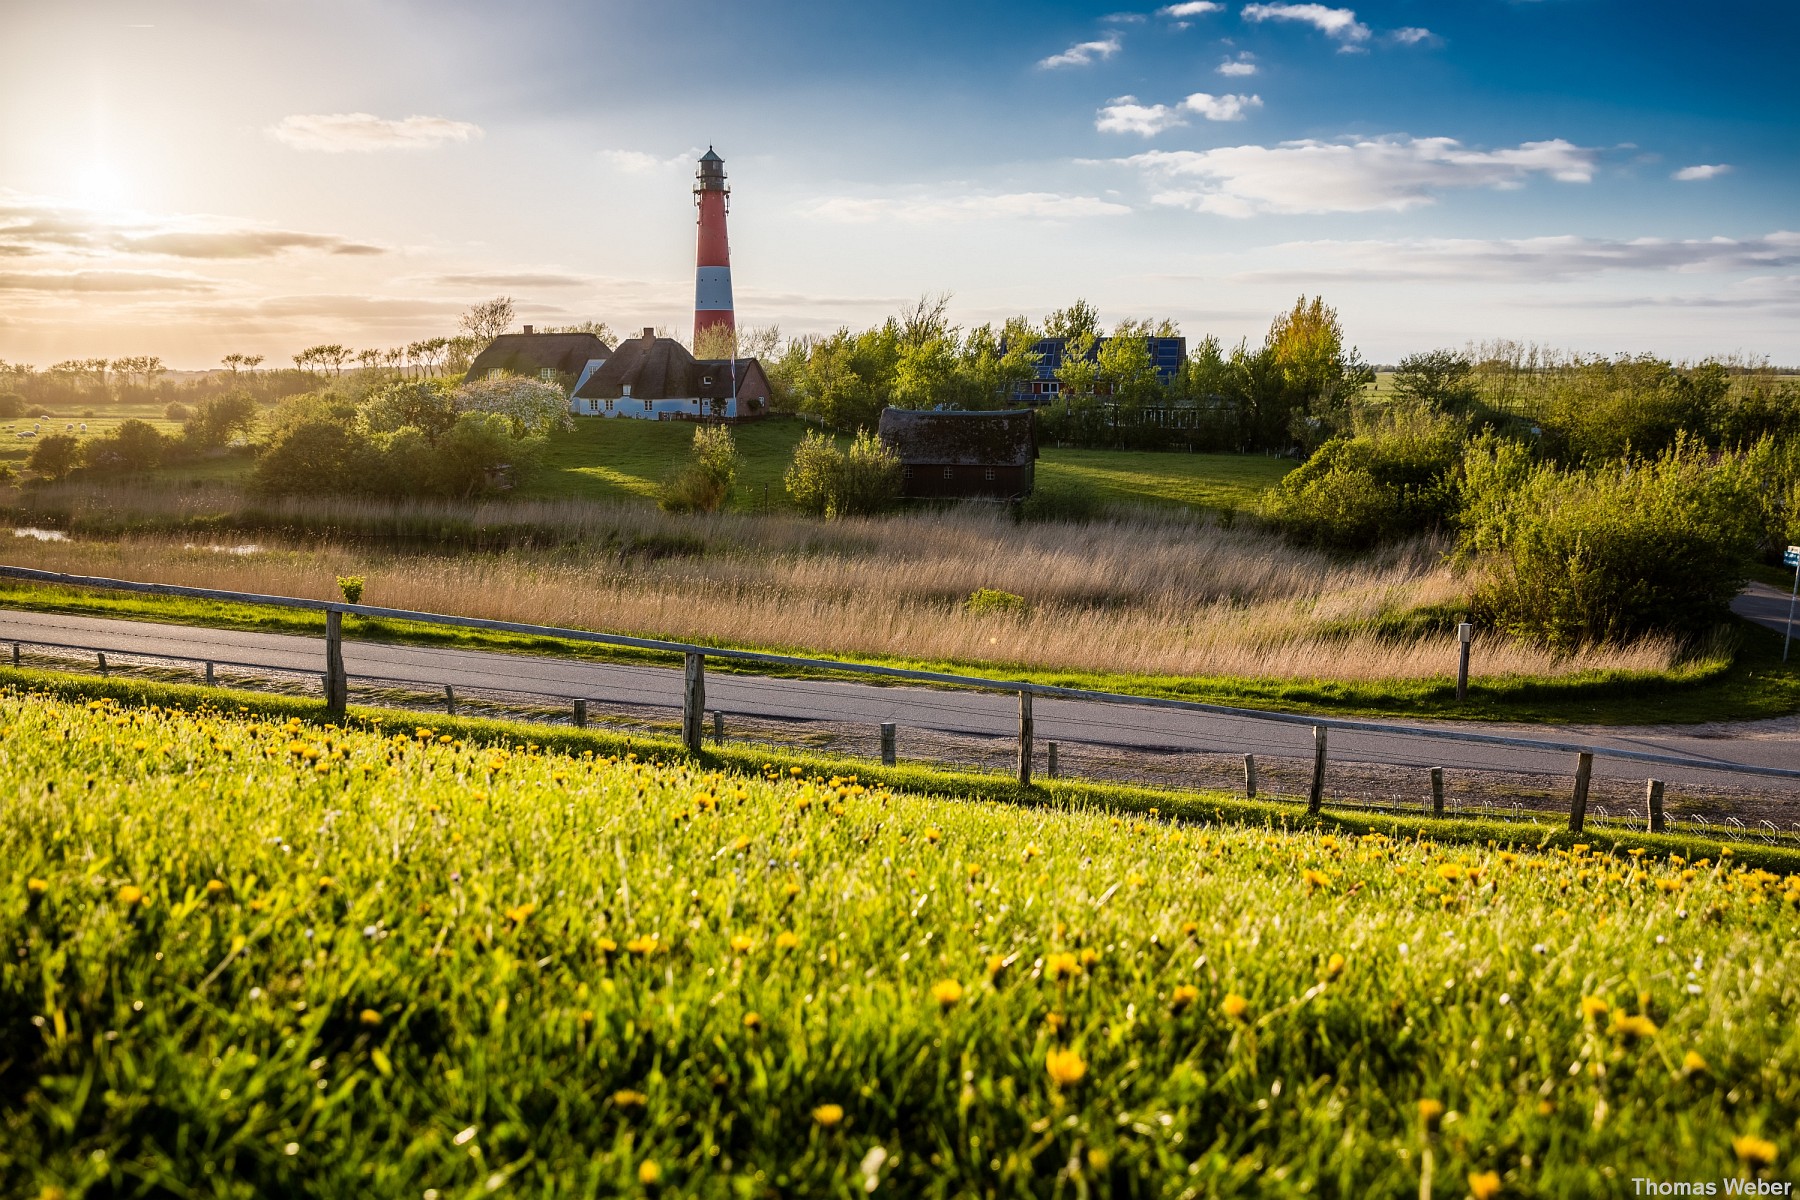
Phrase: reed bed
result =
(1142, 595)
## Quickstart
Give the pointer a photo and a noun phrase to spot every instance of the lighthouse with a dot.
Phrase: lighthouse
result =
(712, 261)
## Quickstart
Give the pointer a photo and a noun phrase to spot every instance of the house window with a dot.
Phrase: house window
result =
(647, 404)
(706, 379)
(609, 405)
(594, 406)
(989, 476)
(626, 390)
(548, 374)
(496, 373)
(906, 472)
(949, 472)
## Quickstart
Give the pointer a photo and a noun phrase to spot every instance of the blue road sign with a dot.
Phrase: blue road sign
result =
(1792, 557)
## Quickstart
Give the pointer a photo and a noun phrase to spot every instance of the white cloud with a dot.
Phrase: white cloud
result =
(1125, 115)
(338, 133)
(1701, 171)
(1523, 260)
(1221, 108)
(35, 226)
(1047, 206)
(1191, 8)
(1412, 35)
(1393, 173)
(1340, 23)
(102, 281)
(637, 162)
(1083, 53)
(1243, 64)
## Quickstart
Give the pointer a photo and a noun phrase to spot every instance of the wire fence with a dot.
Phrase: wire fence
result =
(1020, 730)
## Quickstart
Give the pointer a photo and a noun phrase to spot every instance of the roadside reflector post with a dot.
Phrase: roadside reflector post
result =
(693, 700)
(1315, 799)
(337, 684)
(1465, 635)
(1653, 794)
(887, 744)
(101, 655)
(1050, 760)
(718, 728)
(1024, 738)
(1249, 776)
(581, 714)
(449, 700)
(1437, 791)
(1584, 774)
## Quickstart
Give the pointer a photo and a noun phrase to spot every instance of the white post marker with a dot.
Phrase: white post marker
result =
(1792, 559)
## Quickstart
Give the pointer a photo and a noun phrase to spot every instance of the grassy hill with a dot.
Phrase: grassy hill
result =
(620, 459)
(249, 956)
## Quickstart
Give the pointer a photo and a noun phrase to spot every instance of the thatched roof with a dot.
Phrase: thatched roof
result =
(530, 353)
(970, 439)
(659, 368)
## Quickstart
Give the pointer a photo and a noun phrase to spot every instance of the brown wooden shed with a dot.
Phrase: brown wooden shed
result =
(967, 455)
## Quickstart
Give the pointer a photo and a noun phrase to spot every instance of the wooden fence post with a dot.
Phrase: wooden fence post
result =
(1050, 768)
(1465, 634)
(449, 701)
(15, 654)
(1249, 776)
(1653, 794)
(693, 700)
(1315, 799)
(101, 655)
(1584, 773)
(718, 728)
(580, 714)
(337, 684)
(211, 680)
(1437, 791)
(887, 744)
(1024, 738)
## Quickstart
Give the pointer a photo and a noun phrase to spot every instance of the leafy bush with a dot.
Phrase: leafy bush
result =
(1065, 500)
(11, 405)
(989, 602)
(54, 455)
(352, 588)
(423, 404)
(703, 484)
(1592, 556)
(828, 482)
(1393, 479)
(133, 446)
(175, 410)
(533, 406)
(216, 420)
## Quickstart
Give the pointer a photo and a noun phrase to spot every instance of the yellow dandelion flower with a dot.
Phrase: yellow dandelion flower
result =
(1315, 879)
(1031, 852)
(1184, 995)
(1692, 1063)
(369, 1016)
(752, 1021)
(996, 963)
(1234, 1006)
(1485, 1185)
(644, 943)
(326, 883)
(1450, 872)
(742, 943)
(828, 1115)
(649, 1174)
(1633, 1027)
(1334, 966)
(932, 835)
(215, 887)
(1060, 966)
(1065, 1067)
(1431, 1112)
(1136, 880)
(1089, 956)
(787, 939)
(1593, 1006)
(605, 945)
(1754, 1152)
(946, 992)
(36, 886)
(130, 895)
(521, 913)
(626, 1098)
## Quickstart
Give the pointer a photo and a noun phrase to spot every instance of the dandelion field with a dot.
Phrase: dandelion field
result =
(244, 957)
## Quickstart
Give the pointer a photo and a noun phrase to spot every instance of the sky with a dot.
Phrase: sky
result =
(192, 179)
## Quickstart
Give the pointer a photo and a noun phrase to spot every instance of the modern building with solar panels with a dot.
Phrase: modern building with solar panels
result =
(1168, 353)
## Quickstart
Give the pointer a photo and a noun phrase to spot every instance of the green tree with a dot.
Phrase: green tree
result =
(1444, 379)
(133, 446)
(216, 420)
(54, 456)
(704, 482)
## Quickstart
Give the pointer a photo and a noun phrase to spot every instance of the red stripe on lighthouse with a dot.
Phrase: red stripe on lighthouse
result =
(712, 258)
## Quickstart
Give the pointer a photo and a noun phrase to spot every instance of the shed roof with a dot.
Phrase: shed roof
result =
(531, 353)
(974, 439)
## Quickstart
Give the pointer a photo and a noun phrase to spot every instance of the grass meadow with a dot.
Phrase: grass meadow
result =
(254, 956)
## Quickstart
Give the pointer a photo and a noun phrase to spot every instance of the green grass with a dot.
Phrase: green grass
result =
(1755, 685)
(625, 460)
(1214, 481)
(258, 957)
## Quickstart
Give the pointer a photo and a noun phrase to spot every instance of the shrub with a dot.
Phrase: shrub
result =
(216, 420)
(1393, 479)
(133, 446)
(11, 405)
(990, 602)
(828, 482)
(423, 404)
(54, 456)
(317, 455)
(533, 406)
(352, 588)
(1065, 500)
(703, 484)
(175, 410)
(1584, 557)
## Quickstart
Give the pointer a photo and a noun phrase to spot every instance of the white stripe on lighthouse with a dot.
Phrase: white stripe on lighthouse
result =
(712, 289)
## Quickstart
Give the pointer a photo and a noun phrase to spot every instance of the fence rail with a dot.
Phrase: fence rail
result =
(693, 703)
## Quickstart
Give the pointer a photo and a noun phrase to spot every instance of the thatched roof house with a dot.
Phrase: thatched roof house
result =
(989, 455)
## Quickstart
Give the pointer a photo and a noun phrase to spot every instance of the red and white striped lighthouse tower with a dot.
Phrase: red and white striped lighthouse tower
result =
(712, 262)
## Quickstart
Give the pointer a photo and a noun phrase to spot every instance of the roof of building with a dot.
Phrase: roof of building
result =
(660, 368)
(531, 353)
(711, 156)
(973, 439)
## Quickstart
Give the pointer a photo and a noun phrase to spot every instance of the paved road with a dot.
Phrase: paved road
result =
(1766, 606)
(1767, 743)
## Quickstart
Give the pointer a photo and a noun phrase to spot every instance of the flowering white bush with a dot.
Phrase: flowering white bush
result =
(533, 406)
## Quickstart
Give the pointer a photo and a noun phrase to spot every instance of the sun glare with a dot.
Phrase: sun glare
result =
(99, 186)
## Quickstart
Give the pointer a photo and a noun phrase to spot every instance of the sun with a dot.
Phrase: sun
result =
(98, 185)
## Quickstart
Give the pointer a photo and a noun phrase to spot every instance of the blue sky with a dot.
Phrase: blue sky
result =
(192, 179)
